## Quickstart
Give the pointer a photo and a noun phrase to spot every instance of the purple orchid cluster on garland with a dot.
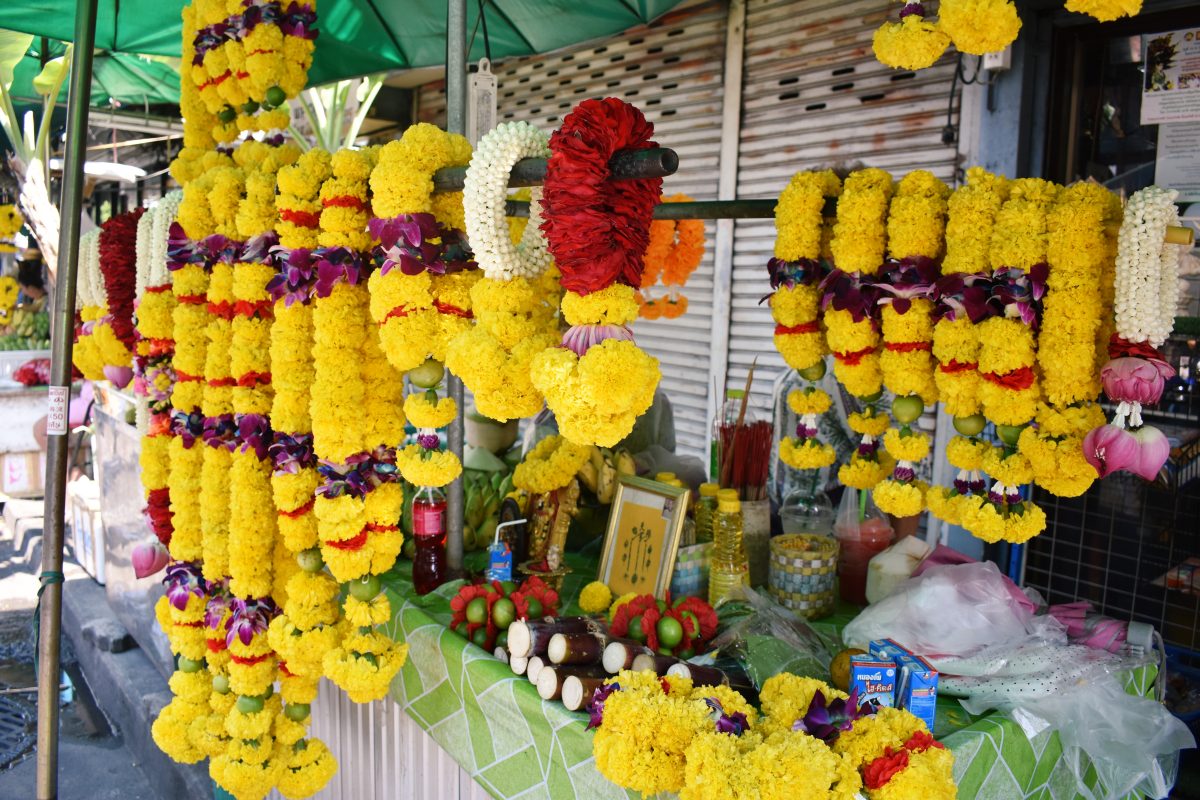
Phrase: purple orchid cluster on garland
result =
(184, 579)
(827, 720)
(1006, 293)
(361, 473)
(249, 617)
(416, 243)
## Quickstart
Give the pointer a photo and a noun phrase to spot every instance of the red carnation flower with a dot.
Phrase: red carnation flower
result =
(881, 770)
(921, 741)
(597, 229)
(118, 265)
(158, 512)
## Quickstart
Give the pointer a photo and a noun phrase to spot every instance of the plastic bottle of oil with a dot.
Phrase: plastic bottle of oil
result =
(728, 569)
(706, 512)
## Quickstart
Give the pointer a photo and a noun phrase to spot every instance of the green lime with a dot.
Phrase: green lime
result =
(907, 409)
(508, 587)
(1009, 434)
(504, 611)
(310, 560)
(970, 426)
(477, 611)
(365, 588)
(250, 107)
(249, 705)
(220, 684)
(535, 608)
(502, 639)
(187, 665)
(871, 399)
(670, 632)
(276, 96)
(635, 629)
(296, 712)
(227, 115)
(480, 636)
(815, 372)
(691, 621)
(428, 375)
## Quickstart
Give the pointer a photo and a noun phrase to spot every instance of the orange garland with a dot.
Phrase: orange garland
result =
(675, 251)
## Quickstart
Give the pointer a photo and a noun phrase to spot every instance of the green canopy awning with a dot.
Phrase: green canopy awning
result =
(117, 78)
(358, 37)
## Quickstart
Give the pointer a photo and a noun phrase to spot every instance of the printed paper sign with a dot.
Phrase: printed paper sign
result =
(1171, 85)
(56, 418)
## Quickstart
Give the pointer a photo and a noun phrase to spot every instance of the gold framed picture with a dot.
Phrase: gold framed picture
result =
(644, 528)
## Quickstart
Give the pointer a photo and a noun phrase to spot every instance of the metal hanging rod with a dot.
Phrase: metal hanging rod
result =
(710, 209)
(656, 162)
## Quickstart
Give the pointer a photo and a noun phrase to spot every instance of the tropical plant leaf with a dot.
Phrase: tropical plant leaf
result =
(52, 75)
(12, 48)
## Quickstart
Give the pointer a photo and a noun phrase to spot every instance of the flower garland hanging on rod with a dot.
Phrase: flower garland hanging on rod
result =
(599, 381)
(675, 251)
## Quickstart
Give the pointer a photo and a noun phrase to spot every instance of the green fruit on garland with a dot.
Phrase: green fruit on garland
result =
(871, 399)
(310, 560)
(670, 632)
(690, 617)
(970, 426)
(908, 409)
(815, 372)
(635, 629)
(250, 107)
(296, 712)
(477, 611)
(502, 639)
(227, 115)
(428, 375)
(508, 587)
(479, 637)
(249, 705)
(365, 588)
(220, 684)
(504, 611)
(1009, 434)
(187, 665)
(268, 693)
(535, 608)
(662, 606)
(276, 96)
(686, 654)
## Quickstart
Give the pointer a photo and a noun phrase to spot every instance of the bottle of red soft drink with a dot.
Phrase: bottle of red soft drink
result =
(429, 533)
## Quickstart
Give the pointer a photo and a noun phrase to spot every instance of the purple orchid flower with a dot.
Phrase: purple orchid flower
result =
(906, 280)
(188, 427)
(291, 453)
(181, 251)
(844, 291)
(298, 20)
(296, 272)
(255, 432)
(219, 431)
(801, 272)
(827, 720)
(412, 242)
(336, 265)
(595, 708)
(962, 296)
(249, 617)
(221, 249)
(338, 480)
(219, 602)
(258, 249)
(183, 579)
(735, 723)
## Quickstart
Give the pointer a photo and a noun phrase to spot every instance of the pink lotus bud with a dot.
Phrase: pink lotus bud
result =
(1135, 380)
(580, 338)
(1153, 450)
(1110, 449)
(148, 558)
(119, 376)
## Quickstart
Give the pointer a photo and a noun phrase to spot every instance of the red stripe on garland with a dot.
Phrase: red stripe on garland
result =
(1016, 380)
(166, 287)
(345, 201)
(951, 367)
(807, 327)
(853, 359)
(398, 311)
(302, 219)
(287, 673)
(215, 645)
(298, 511)
(354, 543)
(454, 311)
(375, 527)
(223, 309)
(260, 308)
(249, 662)
(198, 623)
(252, 379)
(191, 299)
(219, 382)
(183, 377)
(908, 347)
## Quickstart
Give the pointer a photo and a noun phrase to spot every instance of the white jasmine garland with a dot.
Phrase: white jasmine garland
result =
(164, 215)
(89, 283)
(1147, 285)
(484, 196)
(141, 251)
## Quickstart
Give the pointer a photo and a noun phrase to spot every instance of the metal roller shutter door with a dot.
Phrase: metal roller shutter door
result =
(671, 70)
(814, 95)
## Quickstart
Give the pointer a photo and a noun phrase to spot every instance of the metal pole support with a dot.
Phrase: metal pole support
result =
(57, 422)
(456, 122)
(653, 162)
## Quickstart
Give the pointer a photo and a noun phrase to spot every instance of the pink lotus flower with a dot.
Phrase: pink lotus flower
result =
(1153, 450)
(1135, 380)
(148, 558)
(1110, 449)
(120, 376)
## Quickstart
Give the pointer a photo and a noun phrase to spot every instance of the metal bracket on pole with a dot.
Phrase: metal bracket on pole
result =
(50, 608)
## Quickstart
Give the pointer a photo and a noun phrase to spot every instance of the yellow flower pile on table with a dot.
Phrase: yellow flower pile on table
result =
(707, 743)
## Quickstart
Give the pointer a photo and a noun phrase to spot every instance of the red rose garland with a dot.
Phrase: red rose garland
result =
(118, 265)
(598, 229)
(598, 382)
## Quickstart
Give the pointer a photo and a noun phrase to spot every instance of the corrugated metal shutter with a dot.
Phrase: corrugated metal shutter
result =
(814, 96)
(671, 70)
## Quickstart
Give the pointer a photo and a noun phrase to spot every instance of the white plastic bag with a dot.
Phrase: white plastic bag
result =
(953, 610)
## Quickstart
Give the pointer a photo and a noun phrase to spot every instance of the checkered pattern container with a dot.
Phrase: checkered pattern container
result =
(802, 573)
(690, 578)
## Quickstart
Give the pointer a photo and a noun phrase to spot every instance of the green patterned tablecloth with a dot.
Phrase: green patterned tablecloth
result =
(495, 725)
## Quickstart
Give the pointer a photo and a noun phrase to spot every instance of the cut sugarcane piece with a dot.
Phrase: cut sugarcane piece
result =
(529, 638)
(501, 654)
(576, 648)
(700, 676)
(518, 664)
(550, 679)
(536, 663)
(620, 653)
(577, 691)
(648, 662)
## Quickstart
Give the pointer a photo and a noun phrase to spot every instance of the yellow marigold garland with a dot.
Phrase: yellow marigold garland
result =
(979, 27)
(550, 465)
(912, 43)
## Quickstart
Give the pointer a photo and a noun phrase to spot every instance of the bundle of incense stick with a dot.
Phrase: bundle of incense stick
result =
(746, 451)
